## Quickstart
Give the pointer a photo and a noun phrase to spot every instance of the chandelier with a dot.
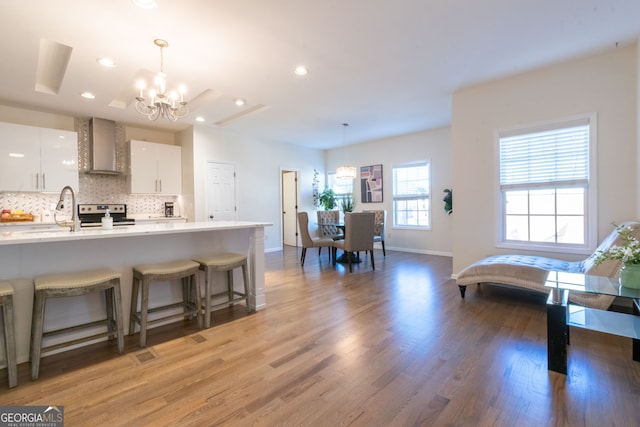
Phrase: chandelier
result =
(346, 172)
(161, 104)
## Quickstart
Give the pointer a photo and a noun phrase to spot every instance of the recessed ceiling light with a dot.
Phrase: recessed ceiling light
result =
(301, 70)
(87, 95)
(199, 119)
(146, 4)
(240, 102)
(106, 62)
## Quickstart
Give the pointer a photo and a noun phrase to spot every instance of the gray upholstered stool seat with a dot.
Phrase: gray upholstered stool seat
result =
(69, 285)
(6, 304)
(226, 261)
(144, 274)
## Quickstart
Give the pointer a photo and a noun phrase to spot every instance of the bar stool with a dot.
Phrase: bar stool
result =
(223, 262)
(6, 304)
(69, 285)
(144, 274)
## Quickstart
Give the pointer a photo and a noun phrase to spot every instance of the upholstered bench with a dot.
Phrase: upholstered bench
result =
(530, 272)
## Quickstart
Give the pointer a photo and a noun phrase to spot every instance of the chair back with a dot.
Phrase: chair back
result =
(325, 217)
(380, 221)
(303, 221)
(359, 231)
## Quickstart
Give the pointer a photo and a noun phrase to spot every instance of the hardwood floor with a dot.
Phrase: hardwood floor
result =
(394, 347)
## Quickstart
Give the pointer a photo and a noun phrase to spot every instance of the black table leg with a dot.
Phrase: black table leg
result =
(636, 342)
(557, 335)
(344, 258)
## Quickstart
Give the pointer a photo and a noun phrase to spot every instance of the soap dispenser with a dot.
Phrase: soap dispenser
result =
(107, 221)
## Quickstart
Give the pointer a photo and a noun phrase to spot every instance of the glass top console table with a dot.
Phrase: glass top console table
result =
(561, 315)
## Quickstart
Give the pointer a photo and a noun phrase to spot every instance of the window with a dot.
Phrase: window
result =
(546, 185)
(341, 187)
(412, 195)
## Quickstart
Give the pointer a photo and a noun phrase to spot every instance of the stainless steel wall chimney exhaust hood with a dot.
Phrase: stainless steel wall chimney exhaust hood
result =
(102, 147)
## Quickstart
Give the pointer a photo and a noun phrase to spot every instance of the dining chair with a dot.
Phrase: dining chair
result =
(358, 236)
(311, 242)
(329, 217)
(380, 224)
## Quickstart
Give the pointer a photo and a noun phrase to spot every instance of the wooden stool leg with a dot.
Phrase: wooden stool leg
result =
(144, 315)
(135, 290)
(208, 280)
(10, 341)
(230, 289)
(186, 297)
(108, 302)
(245, 277)
(36, 333)
(196, 283)
(117, 307)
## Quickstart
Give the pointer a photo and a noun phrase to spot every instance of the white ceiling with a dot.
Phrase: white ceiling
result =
(386, 67)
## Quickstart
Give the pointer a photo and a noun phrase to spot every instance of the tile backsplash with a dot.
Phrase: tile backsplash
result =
(93, 188)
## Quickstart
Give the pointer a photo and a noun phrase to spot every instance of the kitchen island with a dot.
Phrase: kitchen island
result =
(28, 253)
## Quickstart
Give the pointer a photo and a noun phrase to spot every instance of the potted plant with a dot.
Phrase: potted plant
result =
(347, 204)
(327, 199)
(448, 200)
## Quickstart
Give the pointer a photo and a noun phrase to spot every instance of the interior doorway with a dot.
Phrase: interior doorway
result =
(290, 194)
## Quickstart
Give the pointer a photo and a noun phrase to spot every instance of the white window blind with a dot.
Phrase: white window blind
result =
(556, 156)
(411, 181)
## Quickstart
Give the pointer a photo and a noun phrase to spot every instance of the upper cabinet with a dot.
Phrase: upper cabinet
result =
(155, 168)
(37, 159)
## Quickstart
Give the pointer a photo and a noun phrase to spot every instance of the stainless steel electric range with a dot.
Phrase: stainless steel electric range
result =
(91, 215)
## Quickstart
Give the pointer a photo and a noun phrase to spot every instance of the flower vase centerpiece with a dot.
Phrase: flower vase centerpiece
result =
(628, 254)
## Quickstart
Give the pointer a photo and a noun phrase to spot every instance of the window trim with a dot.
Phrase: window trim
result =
(591, 189)
(428, 163)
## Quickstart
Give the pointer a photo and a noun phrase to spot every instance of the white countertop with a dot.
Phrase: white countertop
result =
(61, 234)
(153, 217)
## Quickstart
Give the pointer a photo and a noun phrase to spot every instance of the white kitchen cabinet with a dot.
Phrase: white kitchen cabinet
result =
(155, 168)
(37, 159)
(58, 159)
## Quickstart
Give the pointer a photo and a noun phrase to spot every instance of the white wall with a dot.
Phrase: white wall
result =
(27, 117)
(604, 84)
(433, 145)
(258, 164)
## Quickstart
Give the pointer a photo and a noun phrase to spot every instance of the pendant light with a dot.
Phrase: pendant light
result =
(161, 103)
(346, 172)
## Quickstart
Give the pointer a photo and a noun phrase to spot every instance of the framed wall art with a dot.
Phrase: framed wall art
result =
(371, 184)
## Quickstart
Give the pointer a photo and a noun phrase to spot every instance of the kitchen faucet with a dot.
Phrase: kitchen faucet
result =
(73, 222)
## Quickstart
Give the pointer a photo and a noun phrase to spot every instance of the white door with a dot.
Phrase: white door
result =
(221, 191)
(290, 208)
